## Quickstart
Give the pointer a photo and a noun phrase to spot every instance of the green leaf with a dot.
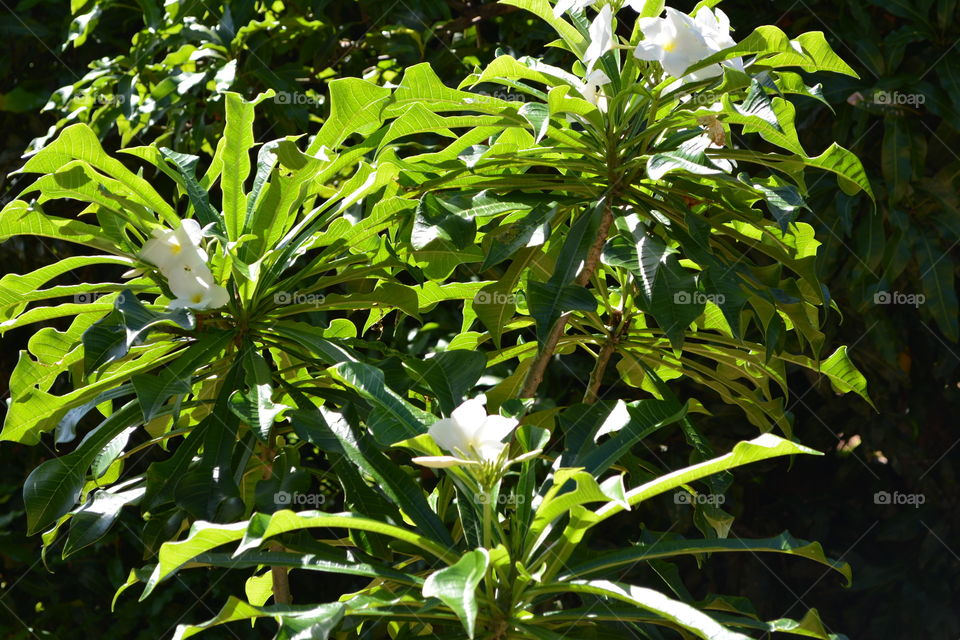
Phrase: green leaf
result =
(559, 501)
(153, 391)
(308, 336)
(390, 479)
(643, 258)
(238, 136)
(760, 448)
(680, 614)
(34, 410)
(79, 142)
(456, 586)
(313, 622)
(507, 240)
(18, 218)
(548, 301)
(355, 107)
(438, 221)
(52, 489)
(263, 526)
(844, 375)
(187, 167)
(16, 290)
(394, 419)
(331, 561)
(668, 548)
(92, 521)
(538, 115)
(646, 416)
(652, 8)
(450, 375)
(111, 338)
(850, 173)
(675, 302)
(254, 405)
(937, 278)
(690, 157)
(543, 10)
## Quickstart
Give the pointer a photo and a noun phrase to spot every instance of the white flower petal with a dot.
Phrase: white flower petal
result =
(490, 450)
(647, 50)
(601, 36)
(470, 415)
(562, 7)
(496, 428)
(597, 77)
(218, 297)
(190, 232)
(449, 434)
(438, 462)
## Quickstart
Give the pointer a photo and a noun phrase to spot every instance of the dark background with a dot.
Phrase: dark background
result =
(901, 117)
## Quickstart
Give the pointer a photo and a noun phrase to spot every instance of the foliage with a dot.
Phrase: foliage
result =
(389, 218)
(894, 274)
(183, 56)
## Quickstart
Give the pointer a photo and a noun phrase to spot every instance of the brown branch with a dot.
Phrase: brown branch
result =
(281, 581)
(539, 366)
(596, 376)
(279, 575)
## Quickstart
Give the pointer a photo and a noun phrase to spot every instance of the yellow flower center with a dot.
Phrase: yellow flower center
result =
(175, 249)
(670, 45)
(197, 298)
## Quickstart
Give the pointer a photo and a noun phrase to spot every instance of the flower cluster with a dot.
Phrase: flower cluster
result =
(471, 435)
(181, 259)
(476, 441)
(677, 41)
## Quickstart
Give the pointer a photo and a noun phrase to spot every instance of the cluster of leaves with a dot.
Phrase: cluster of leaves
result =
(900, 117)
(545, 225)
(175, 59)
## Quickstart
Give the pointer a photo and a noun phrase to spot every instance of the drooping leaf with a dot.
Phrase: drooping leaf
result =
(456, 586)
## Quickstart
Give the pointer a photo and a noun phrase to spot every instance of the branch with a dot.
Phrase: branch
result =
(279, 575)
(281, 581)
(539, 366)
(596, 376)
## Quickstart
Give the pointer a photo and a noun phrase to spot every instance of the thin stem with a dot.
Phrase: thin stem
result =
(539, 366)
(487, 493)
(281, 581)
(596, 376)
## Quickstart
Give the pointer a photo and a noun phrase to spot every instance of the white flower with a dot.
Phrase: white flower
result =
(470, 435)
(601, 37)
(563, 6)
(715, 27)
(194, 288)
(170, 248)
(590, 88)
(676, 43)
(679, 41)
